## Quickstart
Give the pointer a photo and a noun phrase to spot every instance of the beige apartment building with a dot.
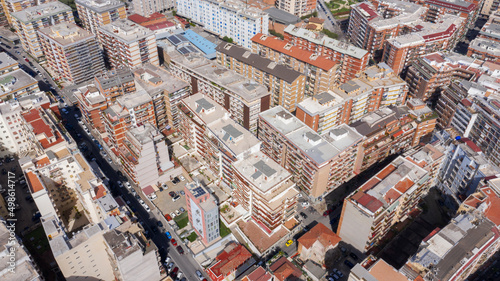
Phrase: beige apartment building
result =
(287, 86)
(12, 6)
(71, 52)
(128, 44)
(95, 13)
(28, 21)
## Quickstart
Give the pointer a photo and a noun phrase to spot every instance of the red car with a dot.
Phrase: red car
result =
(327, 212)
(26, 60)
(174, 272)
(168, 217)
(173, 242)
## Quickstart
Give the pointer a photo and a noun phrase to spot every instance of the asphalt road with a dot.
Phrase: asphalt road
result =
(330, 22)
(186, 263)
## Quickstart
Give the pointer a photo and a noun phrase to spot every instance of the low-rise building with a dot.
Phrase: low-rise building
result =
(283, 269)
(315, 243)
(17, 84)
(203, 212)
(287, 86)
(380, 270)
(484, 49)
(228, 264)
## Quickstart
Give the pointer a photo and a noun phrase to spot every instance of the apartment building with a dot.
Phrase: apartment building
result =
(71, 52)
(391, 130)
(227, 18)
(264, 189)
(229, 263)
(114, 83)
(386, 199)
(318, 163)
(372, 23)
(489, 7)
(39, 127)
(203, 212)
(462, 170)
(148, 7)
(128, 44)
(375, 87)
(287, 86)
(490, 29)
(12, 6)
(129, 111)
(207, 128)
(432, 73)
(11, 247)
(477, 119)
(242, 97)
(401, 51)
(484, 49)
(352, 60)
(321, 73)
(15, 82)
(380, 270)
(430, 158)
(299, 8)
(165, 90)
(447, 104)
(460, 248)
(144, 155)
(91, 102)
(28, 21)
(13, 139)
(96, 13)
(467, 10)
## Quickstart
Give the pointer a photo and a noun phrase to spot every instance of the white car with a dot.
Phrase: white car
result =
(153, 196)
(146, 207)
(127, 184)
(141, 201)
(120, 184)
(305, 204)
(181, 177)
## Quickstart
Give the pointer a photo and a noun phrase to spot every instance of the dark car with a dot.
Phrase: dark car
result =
(180, 250)
(327, 212)
(176, 180)
(4, 171)
(159, 224)
(174, 272)
(348, 263)
(302, 214)
(171, 193)
(353, 256)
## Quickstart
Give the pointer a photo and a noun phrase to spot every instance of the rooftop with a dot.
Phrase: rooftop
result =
(283, 269)
(100, 6)
(207, 47)
(324, 235)
(155, 79)
(281, 16)
(114, 78)
(14, 81)
(485, 45)
(378, 120)
(6, 60)
(322, 39)
(66, 33)
(293, 51)
(123, 244)
(262, 172)
(145, 134)
(266, 65)
(126, 30)
(42, 11)
(233, 256)
(133, 100)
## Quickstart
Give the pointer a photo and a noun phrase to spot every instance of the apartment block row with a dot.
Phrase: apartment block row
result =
(12, 6)
(297, 7)
(321, 73)
(261, 186)
(388, 197)
(244, 98)
(227, 18)
(486, 45)
(377, 86)
(94, 14)
(351, 60)
(287, 86)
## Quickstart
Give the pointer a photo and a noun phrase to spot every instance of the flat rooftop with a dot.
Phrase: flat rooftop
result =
(66, 33)
(205, 108)
(263, 172)
(236, 138)
(126, 30)
(485, 45)
(207, 47)
(100, 6)
(42, 11)
(6, 60)
(154, 79)
(145, 133)
(134, 99)
(323, 40)
(15, 81)
(378, 119)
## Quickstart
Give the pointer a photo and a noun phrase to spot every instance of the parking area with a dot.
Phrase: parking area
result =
(341, 259)
(165, 199)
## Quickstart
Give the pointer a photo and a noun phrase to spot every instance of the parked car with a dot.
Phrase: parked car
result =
(200, 276)
(302, 214)
(353, 256)
(348, 263)
(173, 242)
(169, 236)
(176, 198)
(171, 193)
(159, 224)
(176, 180)
(327, 212)
(289, 242)
(180, 250)
(168, 217)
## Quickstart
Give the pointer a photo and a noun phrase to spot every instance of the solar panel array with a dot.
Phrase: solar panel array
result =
(177, 39)
(186, 50)
(198, 192)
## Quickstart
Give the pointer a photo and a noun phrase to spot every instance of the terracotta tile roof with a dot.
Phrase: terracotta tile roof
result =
(403, 185)
(367, 201)
(311, 26)
(293, 51)
(471, 144)
(260, 274)
(283, 269)
(319, 233)
(230, 259)
(369, 184)
(316, 20)
(386, 171)
(492, 212)
(383, 271)
(100, 191)
(148, 190)
(42, 162)
(392, 195)
(33, 182)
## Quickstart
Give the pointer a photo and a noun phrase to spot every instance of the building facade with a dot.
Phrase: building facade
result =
(148, 7)
(203, 212)
(98, 13)
(299, 8)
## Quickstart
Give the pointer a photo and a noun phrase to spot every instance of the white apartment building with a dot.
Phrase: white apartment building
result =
(128, 44)
(148, 7)
(231, 18)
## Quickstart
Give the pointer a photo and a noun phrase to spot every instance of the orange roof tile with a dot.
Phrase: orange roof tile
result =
(316, 20)
(100, 191)
(403, 185)
(391, 195)
(293, 51)
(42, 162)
(283, 269)
(386, 171)
(383, 271)
(33, 182)
(319, 233)
(492, 212)
(230, 261)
